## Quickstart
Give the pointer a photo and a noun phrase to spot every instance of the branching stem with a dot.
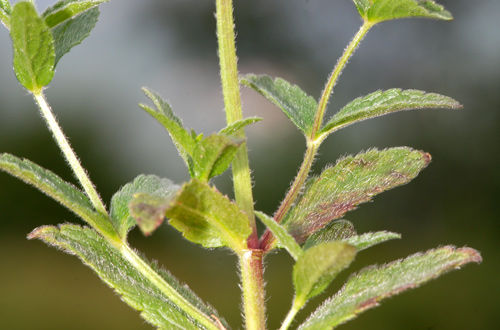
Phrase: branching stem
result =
(313, 141)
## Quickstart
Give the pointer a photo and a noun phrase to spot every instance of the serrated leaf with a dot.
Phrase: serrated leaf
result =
(383, 10)
(318, 266)
(34, 54)
(338, 230)
(183, 140)
(56, 188)
(213, 155)
(148, 184)
(294, 102)
(365, 289)
(284, 239)
(239, 124)
(352, 181)
(384, 102)
(71, 21)
(117, 271)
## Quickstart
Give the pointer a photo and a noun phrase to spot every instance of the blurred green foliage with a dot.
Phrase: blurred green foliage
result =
(454, 201)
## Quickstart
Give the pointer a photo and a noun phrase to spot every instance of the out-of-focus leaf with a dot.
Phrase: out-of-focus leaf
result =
(182, 138)
(205, 216)
(318, 266)
(284, 238)
(58, 189)
(34, 54)
(5, 11)
(237, 125)
(383, 102)
(293, 101)
(201, 213)
(149, 184)
(365, 289)
(338, 230)
(383, 10)
(162, 301)
(353, 180)
(148, 211)
(213, 155)
(367, 240)
(71, 21)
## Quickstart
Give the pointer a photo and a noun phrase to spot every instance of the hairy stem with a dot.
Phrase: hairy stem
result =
(232, 101)
(334, 76)
(251, 267)
(313, 142)
(68, 152)
(169, 291)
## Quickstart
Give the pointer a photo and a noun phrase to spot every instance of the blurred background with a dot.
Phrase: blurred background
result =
(170, 46)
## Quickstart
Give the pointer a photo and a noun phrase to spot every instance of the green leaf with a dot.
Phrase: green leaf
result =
(352, 181)
(318, 266)
(5, 11)
(34, 54)
(148, 211)
(366, 240)
(383, 102)
(294, 102)
(343, 230)
(383, 10)
(338, 230)
(120, 271)
(149, 184)
(201, 213)
(206, 217)
(365, 289)
(237, 125)
(70, 22)
(284, 239)
(182, 138)
(56, 188)
(213, 155)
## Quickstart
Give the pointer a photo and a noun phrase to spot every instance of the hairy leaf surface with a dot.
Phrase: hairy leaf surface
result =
(239, 124)
(123, 276)
(383, 10)
(284, 238)
(56, 188)
(34, 54)
(70, 22)
(318, 266)
(148, 184)
(213, 155)
(201, 213)
(294, 102)
(365, 289)
(338, 230)
(384, 102)
(352, 181)
(182, 138)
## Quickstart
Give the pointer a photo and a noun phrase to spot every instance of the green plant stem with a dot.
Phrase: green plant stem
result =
(332, 80)
(291, 315)
(162, 285)
(267, 239)
(313, 142)
(252, 281)
(68, 152)
(232, 101)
